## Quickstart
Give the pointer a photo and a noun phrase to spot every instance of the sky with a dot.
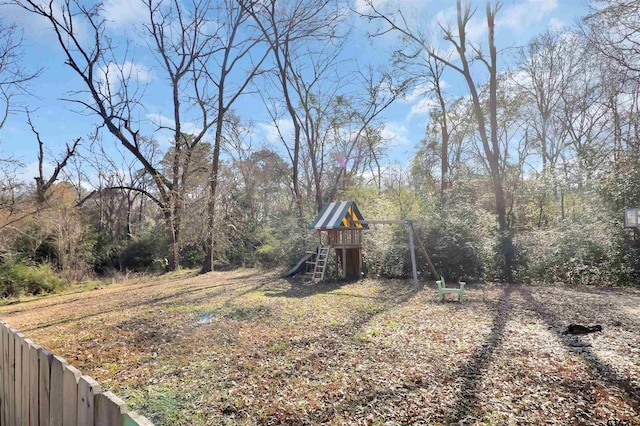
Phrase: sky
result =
(60, 122)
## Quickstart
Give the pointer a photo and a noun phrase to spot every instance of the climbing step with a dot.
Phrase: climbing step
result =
(318, 265)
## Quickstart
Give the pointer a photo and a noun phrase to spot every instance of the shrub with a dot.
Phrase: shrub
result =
(18, 279)
(577, 253)
(191, 255)
(145, 250)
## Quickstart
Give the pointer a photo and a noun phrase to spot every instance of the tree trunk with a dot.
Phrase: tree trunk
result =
(207, 265)
(173, 234)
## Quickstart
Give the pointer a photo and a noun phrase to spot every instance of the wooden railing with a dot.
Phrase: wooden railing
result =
(38, 388)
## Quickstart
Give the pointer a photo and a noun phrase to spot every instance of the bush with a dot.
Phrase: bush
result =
(17, 279)
(144, 251)
(191, 256)
(577, 253)
(458, 236)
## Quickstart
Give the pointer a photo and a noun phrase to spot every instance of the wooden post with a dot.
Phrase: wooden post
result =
(26, 381)
(18, 339)
(109, 410)
(3, 369)
(413, 253)
(134, 419)
(70, 392)
(34, 385)
(11, 399)
(88, 388)
(424, 251)
(57, 395)
(44, 391)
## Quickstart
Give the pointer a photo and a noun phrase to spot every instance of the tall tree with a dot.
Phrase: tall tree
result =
(353, 129)
(613, 27)
(44, 184)
(296, 31)
(14, 76)
(234, 69)
(486, 119)
(181, 41)
(549, 65)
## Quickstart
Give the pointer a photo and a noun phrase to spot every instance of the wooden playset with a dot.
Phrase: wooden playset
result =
(339, 226)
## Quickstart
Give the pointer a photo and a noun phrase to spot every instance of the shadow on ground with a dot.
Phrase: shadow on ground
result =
(474, 370)
(576, 346)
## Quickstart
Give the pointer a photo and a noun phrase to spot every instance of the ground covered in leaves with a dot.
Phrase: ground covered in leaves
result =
(246, 347)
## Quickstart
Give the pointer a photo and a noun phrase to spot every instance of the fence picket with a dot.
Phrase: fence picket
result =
(87, 389)
(57, 391)
(70, 396)
(3, 368)
(134, 419)
(11, 400)
(26, 385)
(34, 385)
(45, 385)
(17, 389)
(109, 410)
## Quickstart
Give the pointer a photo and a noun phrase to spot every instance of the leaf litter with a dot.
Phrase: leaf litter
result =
(246, 347)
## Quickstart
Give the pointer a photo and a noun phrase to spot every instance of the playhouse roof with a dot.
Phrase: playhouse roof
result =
(338, 215)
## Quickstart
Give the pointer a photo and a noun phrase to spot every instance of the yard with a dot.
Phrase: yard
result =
(246, 347)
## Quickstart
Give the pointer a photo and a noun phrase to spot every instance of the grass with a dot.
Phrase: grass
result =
(245, 347)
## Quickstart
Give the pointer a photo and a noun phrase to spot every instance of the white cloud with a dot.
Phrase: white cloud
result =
(30, 171)
(556, 24)
(40, 28)
(124, 13)
(166, 126)
(161, 120)
(423, 106)
(521, 78)
(418, 92)
(396, 133)
(523, 15)
(114, 74)
(447, 18)
(362, 6)
(270, 131)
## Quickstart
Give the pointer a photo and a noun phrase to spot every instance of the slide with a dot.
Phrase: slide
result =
(301, 266)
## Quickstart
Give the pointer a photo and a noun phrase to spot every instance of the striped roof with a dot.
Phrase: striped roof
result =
(338, 215)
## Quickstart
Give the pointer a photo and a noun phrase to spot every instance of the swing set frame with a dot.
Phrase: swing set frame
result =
(413, 237)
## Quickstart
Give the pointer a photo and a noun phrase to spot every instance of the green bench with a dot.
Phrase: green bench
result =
(443, 289)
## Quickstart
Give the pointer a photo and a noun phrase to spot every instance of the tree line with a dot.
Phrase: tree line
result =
(523, 176)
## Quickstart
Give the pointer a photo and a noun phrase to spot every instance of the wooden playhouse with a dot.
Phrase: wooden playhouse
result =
(339, 229)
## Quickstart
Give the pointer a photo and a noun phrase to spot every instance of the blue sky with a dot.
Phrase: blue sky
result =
(404, 122)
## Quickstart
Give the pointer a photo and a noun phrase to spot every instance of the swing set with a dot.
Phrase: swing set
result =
(339, 226)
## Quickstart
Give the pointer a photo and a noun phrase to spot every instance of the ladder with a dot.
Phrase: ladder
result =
(319, 264)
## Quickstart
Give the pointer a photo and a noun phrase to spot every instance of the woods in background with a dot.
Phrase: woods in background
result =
(522, 177)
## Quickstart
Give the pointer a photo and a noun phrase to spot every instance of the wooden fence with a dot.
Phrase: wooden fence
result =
(38, 388)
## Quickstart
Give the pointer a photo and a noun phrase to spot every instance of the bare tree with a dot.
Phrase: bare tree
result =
(486, 119)
(42, 184)
(236, 42)
(613, 27)
(14, 78)
(293, 29)
(182, 44)
(549, 65)
(357, 144)
(13, 74)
